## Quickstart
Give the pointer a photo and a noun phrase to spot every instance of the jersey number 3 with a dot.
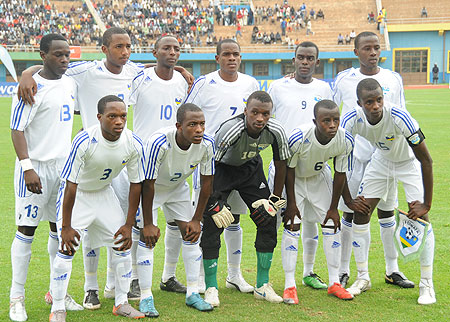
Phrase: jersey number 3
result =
(106, 174)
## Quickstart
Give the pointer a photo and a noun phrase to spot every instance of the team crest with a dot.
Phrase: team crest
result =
(386, 90)
(245, 101)
(124, 162)
(414, 139)
(390, 137)
(262, 146)
(178, 101)
(318, 98)
(193, 166)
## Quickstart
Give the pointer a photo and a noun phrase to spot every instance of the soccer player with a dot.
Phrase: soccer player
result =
(398, 141)
(312, 194)
(293, 105)
(87, 201)
(221, 95)
(172, 154)
(41, 135)
(368, 49)
(239, 167)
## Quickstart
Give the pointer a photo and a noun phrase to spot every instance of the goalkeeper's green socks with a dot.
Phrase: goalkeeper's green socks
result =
(210, 266)
(264, 263)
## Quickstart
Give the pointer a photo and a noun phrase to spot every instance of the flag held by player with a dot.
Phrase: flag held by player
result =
(409, 236)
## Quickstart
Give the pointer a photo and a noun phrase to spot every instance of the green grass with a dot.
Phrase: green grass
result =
(382, 302)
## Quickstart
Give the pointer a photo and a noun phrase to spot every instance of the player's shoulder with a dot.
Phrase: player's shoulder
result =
(344, 136)
(161, 138)
(279, 83)
(297, 135)
(275, 126)
(390, 73)
(85, 138)
(208, 140)
(236, 124)
(346, 74)
(350, 116)
(79, 67)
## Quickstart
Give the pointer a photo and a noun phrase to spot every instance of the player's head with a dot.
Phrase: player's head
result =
(258, 112)
(305, 61)
(368, 50)
(190, 125)
(112, 114)
(167, 51)
(228, 56)
(326, 119)
(116, 46)
(370, 98)
(55, 54)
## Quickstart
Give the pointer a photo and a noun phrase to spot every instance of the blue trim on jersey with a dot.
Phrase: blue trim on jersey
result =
(79, 139)
(17, 114)
(77, 63)
(59, 197)
(296, 136)
(350, 138)
(193, 87)
(338, 79)
(347, 117)
(138, 139)
(22, 186)
(153, 155)
(140, 65)
(211, 140)
(406, 118)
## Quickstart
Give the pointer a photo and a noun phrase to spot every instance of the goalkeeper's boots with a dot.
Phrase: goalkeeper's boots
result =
(426, 291)
(238, 282)
(313, 280)
(337, 290)
(399, 279)
(267, 293)
(290, 295)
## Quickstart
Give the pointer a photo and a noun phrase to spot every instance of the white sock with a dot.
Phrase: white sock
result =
(192, 257)
(233, 239)
(332, 250)
(310, 239)
(121, 263)
(387, 230)
(135, 234)
(20, 259)
(52, 248)
(62, 268)
(361, 243)
(346, 246)
(289, 252)
(172, 242)
(427, 256)
(144, 260)
(110, 274)
(91, 258)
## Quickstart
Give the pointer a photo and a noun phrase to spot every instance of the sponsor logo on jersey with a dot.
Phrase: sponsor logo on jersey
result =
(193, 166)
(306, 141)
(262, 146)
(390, 137)
(94, 140)
(254, 145)
(100, 68)
(39, 86)
(292, 248)
(178, 101)
(62, 277)
(212, 81)
(147, 79)
(360, 120)
(414, 139)
(353, 75)
(262, 185)
(335, 244)
(386, 90)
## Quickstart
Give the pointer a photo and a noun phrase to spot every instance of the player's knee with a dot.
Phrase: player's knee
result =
(27, 230)
(348, 216)
(52, 226)
(237, 219)
(66, 252)
(384, 213)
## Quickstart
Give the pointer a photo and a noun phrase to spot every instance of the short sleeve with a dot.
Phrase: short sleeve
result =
(207, 167)
(344, 161)
(75, 162)
(154, 155)
(295, 142)
(136, 163)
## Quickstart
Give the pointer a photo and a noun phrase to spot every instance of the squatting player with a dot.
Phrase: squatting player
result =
(239, 167)
(87, 201)
(398, 141)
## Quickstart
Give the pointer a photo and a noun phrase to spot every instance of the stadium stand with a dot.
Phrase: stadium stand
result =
(409, 11)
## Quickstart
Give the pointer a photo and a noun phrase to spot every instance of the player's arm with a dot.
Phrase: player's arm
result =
(69, 236)
(333, 213)
(358, 204)
(291, 208)
(280, 176)
(150, 233)
(32, 180)
(27, 85)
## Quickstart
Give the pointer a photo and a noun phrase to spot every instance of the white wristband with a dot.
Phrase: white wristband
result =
(26, 164)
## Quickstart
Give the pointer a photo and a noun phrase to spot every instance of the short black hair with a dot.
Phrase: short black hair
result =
(326, 104)
(367, 84)
(187, 107)
(307, 44)
(261, 96)
(162, 37)
(363, 35)
(226, 41)
(107, 35)
(46, 41)
(101, 105)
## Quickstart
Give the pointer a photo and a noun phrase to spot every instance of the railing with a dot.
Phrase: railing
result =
(418, 20)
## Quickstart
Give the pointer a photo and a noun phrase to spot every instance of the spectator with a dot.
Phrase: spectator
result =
(259, 37)
(266, 39)
(272, 37)
(424, 13)
(283, 27)
(371, 17)
(340, 39)
(435, 71)
(278, 37)
(309, 28)
(353, 35)
(347, 39)
(379, 19)
(320, 14)
(238, 30)
(312, 14)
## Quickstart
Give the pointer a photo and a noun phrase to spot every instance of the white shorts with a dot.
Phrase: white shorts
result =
(31, 207)
(174, 202)
(238, 206)
(97, 211)
(381, 178)
(121, 186)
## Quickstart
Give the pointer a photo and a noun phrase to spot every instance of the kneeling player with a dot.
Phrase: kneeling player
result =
(98, 154)
(173, 154)
(391, 130)
(309, 187)
(239, 167)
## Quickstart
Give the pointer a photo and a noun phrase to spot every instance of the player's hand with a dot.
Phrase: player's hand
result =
(27, 89)
(187, 76)
(193, 231)
(333, 214)
(125, 239)
(289, 215)
(69, 240)
(150, 234)
(360, 205)
(417, 210)
(32, 181)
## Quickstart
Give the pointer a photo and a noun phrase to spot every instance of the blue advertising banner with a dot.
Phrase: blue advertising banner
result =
(7, 89)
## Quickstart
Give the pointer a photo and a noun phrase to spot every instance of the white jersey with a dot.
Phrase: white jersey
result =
(94, 161)
(155, 101)
(95, 81)
(309, 156)
(345, 83)
(47, 124)
(170, 165)
(389, 135)
(221, 100)
(293, 102)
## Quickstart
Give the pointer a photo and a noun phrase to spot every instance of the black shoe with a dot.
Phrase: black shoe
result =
(91, 301)
(397, 278)
(135, 291)
(172, 285)
(343, 279)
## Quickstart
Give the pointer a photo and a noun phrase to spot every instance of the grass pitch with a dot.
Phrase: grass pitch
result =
(383, 302)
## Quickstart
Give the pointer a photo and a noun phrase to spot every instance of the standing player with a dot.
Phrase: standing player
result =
(99, 154)
(221, 95)
(368, 49)
(391, 130)
(41, 135)
(239, 167)
(172, 154)
(293, 105)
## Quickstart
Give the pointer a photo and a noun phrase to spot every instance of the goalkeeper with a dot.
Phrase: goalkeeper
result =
(239, 167)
